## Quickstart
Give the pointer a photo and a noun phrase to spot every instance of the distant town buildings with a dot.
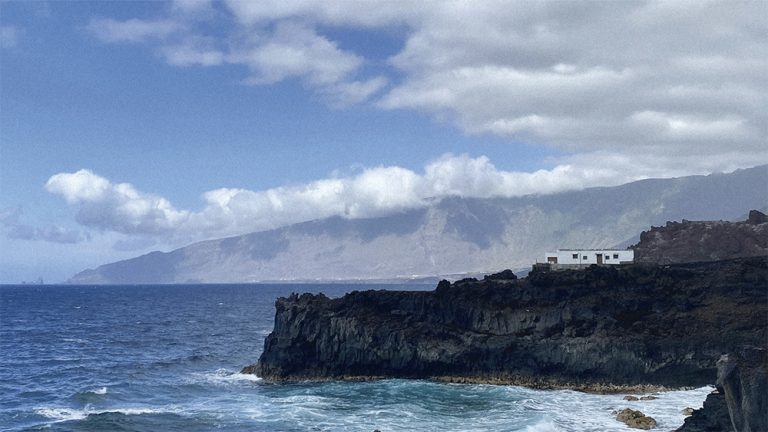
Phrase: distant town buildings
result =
(576, 258)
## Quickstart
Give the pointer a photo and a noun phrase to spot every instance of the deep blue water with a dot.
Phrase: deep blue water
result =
(166, 358)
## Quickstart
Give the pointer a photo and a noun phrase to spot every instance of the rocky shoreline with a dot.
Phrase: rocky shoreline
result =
(528, 382)
(596, 328)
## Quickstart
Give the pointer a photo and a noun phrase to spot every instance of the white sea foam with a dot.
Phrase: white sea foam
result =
(61, 414)
(99, 391)
(67, 414)
(543, 426)
(590, 412)
(224, 376)
(139, 411)
(302, 400)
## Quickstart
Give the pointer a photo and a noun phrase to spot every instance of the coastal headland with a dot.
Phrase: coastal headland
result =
(692, 312)
(598, 329)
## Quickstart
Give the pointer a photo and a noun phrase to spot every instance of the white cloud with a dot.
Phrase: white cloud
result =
(50, 233)
(371, 13)
(294, 50)
(631, 90)
(132, 30)
(349, 93)
(689, 127)
(14, 229)
(627, 78)
(117, 207)
(589, 77)
(286, 50)
(193, 51)
(120, 208)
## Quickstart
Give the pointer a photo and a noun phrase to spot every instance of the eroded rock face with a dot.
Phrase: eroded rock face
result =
(712, 417)
(689, 241)
(622, 326)
(743, 378)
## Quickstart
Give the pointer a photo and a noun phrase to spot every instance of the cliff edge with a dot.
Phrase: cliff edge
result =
(740, 402)
(592, 329)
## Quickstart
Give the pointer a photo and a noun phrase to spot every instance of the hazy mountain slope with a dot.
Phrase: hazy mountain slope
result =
(449, 236)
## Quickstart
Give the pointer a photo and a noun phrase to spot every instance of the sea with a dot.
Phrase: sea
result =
(167, 358)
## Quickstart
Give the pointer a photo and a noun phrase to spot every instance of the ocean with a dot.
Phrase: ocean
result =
(167, 358)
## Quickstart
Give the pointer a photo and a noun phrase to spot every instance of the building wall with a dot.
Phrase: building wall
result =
(590, 256)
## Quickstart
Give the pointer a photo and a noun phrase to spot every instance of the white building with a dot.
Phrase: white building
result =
(565, 258)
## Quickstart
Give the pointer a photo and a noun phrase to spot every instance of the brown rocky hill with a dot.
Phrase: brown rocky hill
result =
(695, 241)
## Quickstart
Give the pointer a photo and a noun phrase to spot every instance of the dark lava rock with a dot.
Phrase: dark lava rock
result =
(638, 324)
(502, 275)
(712, 417)
(756, 217)
(689, 241)
(741, 400)
(743, 377)
(636, 419)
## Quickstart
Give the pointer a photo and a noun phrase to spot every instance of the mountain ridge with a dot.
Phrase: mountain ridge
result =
(449, 236)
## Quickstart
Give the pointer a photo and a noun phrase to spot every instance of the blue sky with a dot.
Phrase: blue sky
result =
(127, 127)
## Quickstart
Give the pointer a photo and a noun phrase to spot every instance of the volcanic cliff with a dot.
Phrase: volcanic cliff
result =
(701, 320)
(634, 325)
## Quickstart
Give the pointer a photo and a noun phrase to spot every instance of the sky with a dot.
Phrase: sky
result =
(128, 127)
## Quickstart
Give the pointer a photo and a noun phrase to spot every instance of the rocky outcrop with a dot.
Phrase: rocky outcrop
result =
(599, 328)
(712, 417)
(743, 377)
(636, 419)
(740, 402)
(689, 241)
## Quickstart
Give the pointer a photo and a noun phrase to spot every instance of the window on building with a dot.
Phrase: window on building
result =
(616, 256)
(575, 256)
(607, 257)
(585, 257)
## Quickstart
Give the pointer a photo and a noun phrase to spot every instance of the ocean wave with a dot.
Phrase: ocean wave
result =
(593, 412)
(543, 426)
(58, 414)
(90, 396)
(224, 376)
(302, 400)
(61, 414)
